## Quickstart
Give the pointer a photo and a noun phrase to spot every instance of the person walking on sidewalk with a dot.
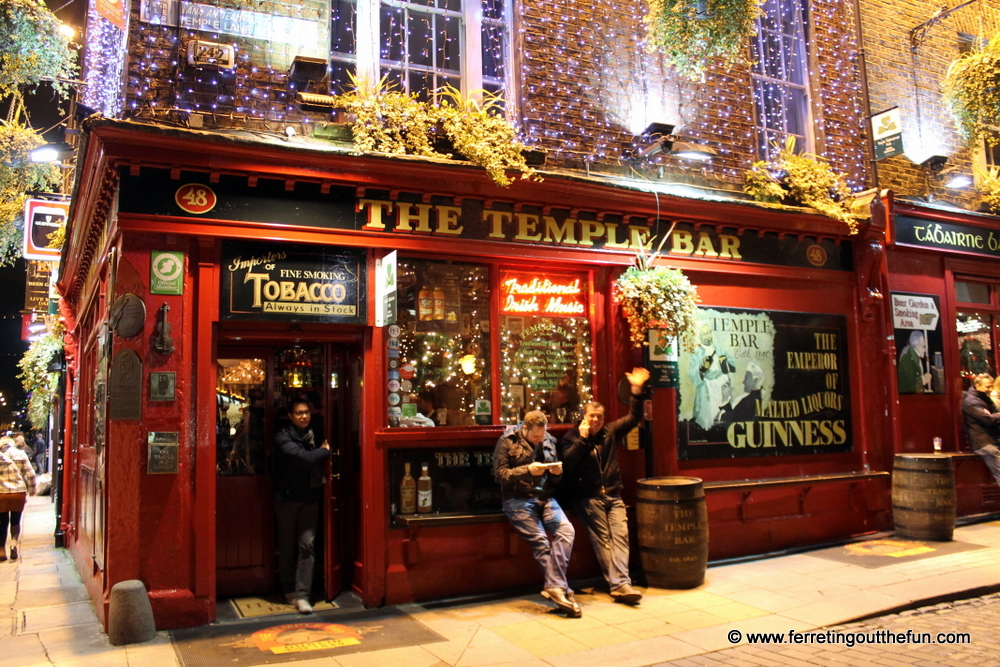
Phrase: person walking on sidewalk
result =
(17, 480)
(590, 453)
(298, 490)
(982, 422)
(526, 466)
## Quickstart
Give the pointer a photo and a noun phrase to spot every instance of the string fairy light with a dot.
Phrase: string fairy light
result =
(587, 84)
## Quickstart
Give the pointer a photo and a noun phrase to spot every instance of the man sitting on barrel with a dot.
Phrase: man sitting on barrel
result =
(982, 424)
(590, 454)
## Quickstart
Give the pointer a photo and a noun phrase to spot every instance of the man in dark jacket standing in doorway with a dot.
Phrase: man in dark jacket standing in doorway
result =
(298, 490)
(982, 424)
(590, 455)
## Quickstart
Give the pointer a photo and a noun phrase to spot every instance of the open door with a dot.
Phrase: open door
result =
(255, 387)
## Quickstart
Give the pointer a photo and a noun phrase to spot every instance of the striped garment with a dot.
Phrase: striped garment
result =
(16, 473)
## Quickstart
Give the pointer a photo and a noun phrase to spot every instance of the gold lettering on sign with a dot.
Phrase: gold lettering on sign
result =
(444, 220)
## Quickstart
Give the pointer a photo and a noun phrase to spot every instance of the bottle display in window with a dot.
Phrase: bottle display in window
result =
(444, 349)
(408, 491)
(425, 487)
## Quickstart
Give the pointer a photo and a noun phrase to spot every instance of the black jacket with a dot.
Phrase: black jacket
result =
(981, 423)
(298, 465)
(592, 462)
(511, 457)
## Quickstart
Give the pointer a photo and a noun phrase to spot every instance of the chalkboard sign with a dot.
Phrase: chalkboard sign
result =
(546, 364)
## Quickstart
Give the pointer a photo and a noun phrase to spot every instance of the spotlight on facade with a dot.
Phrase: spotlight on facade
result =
(953, 179)
(660, 138)
(307, 74)
(689, 150)
(52, 152)
(935, 163)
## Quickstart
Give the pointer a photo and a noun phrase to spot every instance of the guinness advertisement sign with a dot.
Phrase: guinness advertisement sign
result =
(764, 383)
(292, 283)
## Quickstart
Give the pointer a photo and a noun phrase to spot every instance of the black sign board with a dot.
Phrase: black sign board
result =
(406, 214)
(36, 288)
(293, 283)
(950, 236)
(764, 383)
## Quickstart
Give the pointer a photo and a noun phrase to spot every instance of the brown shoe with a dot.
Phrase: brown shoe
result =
(3, 555)
(567, 606)
(626, 595)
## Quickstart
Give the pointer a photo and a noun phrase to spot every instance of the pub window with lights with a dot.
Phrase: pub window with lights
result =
(441, 370)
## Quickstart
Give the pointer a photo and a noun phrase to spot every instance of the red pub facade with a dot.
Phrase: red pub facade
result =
(215, 283)
(218, 270)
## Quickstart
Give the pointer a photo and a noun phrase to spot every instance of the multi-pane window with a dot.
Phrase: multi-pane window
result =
(441, 369)
(976, 322)
(781, 76)
(422, 45)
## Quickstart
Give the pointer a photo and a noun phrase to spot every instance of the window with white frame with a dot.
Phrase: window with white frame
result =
(422, 45)
(781, 76)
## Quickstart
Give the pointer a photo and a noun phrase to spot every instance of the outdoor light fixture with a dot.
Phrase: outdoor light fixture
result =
(305, 73)
(935, 163)
(688, 150)
(52, 152)
(662, 140)
(957, 181)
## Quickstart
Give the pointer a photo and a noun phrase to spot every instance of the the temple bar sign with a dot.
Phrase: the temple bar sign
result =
(292, 283)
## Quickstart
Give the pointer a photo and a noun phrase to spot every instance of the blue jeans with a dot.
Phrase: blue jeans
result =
(532, 518)
(607, 526)
(991, 456)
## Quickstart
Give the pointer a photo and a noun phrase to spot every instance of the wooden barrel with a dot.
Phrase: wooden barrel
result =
(923, 496)
(673, 531)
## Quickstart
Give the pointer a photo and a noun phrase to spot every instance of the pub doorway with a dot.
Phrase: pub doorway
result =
(255, 387)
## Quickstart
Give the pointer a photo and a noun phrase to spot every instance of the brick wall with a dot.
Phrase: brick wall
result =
(587, 88)
(909, 78)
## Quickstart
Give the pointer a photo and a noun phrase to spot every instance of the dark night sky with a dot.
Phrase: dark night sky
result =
(11, 345)
(45, 112)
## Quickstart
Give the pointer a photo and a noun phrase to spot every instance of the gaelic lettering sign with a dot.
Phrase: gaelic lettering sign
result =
(292, 283)
(947, 236)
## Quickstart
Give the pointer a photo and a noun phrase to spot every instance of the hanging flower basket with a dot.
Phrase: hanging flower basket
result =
(691, 34)
(971, 91)
(656, 297)
(801, 180)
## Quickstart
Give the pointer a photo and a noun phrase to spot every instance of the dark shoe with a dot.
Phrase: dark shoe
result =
(569, 607)
(626, 594)
(13, 551)
(3, 555)
(291, 598)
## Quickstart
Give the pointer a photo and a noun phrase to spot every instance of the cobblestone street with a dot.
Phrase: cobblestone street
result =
(979, 617)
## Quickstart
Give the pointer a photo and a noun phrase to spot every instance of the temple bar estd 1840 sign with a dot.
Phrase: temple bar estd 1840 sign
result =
(293, 283)
(764, 383)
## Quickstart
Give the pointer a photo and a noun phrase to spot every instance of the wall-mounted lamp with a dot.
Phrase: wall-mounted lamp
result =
(935, 163)
(56, 152)
(953, 179)
(689, 150)
(662, 140)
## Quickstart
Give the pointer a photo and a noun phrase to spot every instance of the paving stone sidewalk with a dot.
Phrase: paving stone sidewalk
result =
(46, 617)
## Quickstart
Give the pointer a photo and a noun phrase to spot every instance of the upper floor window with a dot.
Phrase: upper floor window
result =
(781, 76)
(422, 45)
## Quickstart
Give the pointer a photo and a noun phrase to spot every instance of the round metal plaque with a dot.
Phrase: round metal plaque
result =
(128, 315)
